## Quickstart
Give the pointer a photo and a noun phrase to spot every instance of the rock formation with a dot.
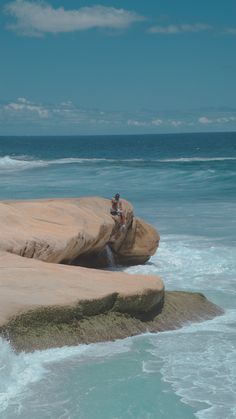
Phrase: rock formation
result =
(74, 231)
(47, 301)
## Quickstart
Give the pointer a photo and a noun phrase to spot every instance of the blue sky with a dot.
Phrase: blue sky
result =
(87, 67)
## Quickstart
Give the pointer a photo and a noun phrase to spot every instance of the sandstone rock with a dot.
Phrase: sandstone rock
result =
(29, 284)
(73, 231)
(67, 232)
(141, 242)
(55, 303)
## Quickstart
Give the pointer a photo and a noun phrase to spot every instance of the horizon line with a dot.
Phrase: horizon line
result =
(116, 135)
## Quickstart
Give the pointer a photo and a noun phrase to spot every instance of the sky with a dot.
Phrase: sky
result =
(117, 67)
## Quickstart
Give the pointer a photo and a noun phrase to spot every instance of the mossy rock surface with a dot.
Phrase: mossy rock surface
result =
(83, 324)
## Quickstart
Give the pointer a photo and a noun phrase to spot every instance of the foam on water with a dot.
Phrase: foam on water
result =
(15, 163)
(191, 263)
(27, 162)
(199, 361)
(18, 371)
(8, 163)
(196, 159)
(24, 162)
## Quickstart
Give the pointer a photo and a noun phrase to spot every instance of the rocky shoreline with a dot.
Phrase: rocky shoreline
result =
(50, 293)
(43, 329)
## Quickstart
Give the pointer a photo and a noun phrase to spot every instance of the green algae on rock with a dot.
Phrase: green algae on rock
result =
(40, 330)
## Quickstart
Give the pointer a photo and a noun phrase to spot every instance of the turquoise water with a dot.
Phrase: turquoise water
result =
(185, 185)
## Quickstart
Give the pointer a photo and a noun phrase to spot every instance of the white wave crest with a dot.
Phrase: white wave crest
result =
(195, 159)
(8, 163)
(16, 163)
(188, 263)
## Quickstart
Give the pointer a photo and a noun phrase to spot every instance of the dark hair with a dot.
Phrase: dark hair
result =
(117, 196)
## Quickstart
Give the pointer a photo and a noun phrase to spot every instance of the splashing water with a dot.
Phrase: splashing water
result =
(110, 257)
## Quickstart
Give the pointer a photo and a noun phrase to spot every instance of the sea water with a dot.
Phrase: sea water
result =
(185, 185)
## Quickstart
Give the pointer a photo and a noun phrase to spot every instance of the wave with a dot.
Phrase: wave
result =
(19, 371)
(199, 363)
(195, 159)
(191, 263)
(11, 164)
(8, 163)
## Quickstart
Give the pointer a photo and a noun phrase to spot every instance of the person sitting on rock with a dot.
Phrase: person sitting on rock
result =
(117, 208)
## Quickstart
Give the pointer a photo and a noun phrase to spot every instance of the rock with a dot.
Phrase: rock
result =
(45, 301)
(141, 242)
(73, 231)
(29, 284)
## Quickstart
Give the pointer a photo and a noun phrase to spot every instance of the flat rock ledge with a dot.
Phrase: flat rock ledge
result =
(46, 301)
(104, 320)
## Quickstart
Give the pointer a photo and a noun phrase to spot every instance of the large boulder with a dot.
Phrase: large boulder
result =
(28, 285)
(66, 232)
(52, 304)
(74, 231)
(141, 242)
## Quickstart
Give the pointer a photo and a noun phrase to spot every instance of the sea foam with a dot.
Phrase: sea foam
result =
(15, 163)
(19, 371)
(199, 363)
(192, 263)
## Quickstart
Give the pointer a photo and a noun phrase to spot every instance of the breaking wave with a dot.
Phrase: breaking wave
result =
(196, 159)
(19, 371)
(9, 163)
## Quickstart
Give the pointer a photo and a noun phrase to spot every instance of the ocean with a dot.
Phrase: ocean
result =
(185, 185)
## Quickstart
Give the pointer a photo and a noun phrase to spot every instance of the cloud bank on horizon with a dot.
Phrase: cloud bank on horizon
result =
(66, 114)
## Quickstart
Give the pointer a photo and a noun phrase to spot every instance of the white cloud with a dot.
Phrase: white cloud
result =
(222, 120)
(67, 104)
(174, 29)
(204, 120)
(23, 105)
(217, 120)
(225, 119)
(176, 123)
(231, 31)
(66, 116)
(157, 122)
(38, 18)
(136, 123)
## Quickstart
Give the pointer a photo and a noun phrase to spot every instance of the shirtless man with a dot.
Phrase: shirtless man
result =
(117, 209)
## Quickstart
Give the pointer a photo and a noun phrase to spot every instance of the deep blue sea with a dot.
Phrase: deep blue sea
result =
(185, 185)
